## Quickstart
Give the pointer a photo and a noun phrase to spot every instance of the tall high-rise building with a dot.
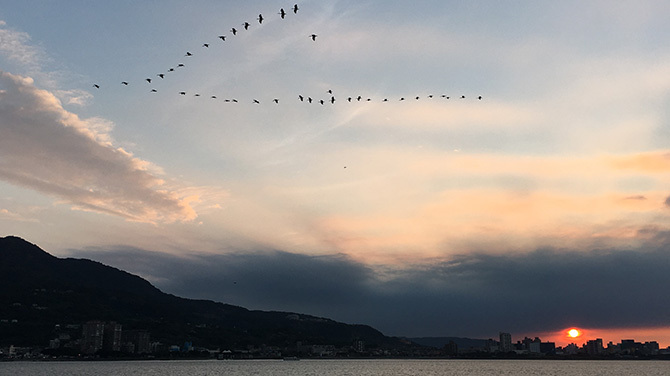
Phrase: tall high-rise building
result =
(92, 334)
(505, 342)
(111, 340)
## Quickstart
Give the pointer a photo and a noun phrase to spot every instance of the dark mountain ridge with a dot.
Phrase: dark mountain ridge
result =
(39, 291)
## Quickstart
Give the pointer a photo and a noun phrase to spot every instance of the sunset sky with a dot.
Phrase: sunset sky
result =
(543, 206)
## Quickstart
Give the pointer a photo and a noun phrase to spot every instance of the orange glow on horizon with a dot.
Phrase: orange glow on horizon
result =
(564, 337)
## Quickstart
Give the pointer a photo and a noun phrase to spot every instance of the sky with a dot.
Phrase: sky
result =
(542, 206)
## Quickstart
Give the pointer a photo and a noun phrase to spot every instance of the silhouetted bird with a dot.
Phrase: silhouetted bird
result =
(148, 80)
(301, 98)
(188, 54)
(430, 96)
(171, 70)
(196, 95)
(402, 99)
(234, 100)
(349, 99)
(246, 25)
(309, 99)
(462, 96)
(182, 93)
(206, 45)
(180, 65)
(282, 13)
(124, 83)
(358, 98)
(222, 37)
(321, 101)
(385, 100)
(479, 97)
(234, 31)
(260, 18)
(256, 101)
(161, 75)
(96, 86)
(154, 91)
(313, 36)
(295, 8)
(332, 100)
(276, 100)
(417, 98)
(213, 97)
(329, 91)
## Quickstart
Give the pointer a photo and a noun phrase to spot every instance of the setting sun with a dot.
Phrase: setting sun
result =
(574, 333)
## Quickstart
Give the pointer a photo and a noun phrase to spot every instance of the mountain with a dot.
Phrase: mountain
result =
(39, 291)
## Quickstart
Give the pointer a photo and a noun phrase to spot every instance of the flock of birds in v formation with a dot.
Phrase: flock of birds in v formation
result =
(302, 98)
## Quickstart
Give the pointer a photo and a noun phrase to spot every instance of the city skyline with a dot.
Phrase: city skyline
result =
(537, 203)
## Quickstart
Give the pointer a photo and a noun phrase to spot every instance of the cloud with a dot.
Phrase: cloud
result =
(16, 46)
(48, 149)
(471, 295)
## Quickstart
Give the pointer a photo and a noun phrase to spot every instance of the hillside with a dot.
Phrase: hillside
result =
(39, 291)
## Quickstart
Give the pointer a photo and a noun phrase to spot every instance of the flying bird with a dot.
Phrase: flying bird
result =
(124, 83)
(161, 75)
(182, 93)
(402, 99)
(222, 37)
(154, 91)
(301, 98)
(330, 91)
(479, 97)
(206, 45)
(96, 86)
(358, 98)
(256, 101)
(309, 99)
(276, 100)
(282, 13)
(321, 101)
(349, 99)
(188, 54)
(148, 80)
(462, 96)
(295, 8)
(180, 66)
(313, 36)
(246, 25)
(213, 97)
(260, 18)
(196, 95)
(332, 100)
(234, 31)
(171, 70)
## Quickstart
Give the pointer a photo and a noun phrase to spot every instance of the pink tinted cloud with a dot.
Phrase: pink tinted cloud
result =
(48, 149)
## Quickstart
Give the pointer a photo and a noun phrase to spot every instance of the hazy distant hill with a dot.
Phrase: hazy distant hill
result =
(38, 291)
(439, 342)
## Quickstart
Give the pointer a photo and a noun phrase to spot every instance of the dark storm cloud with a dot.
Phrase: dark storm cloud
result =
(470, 295)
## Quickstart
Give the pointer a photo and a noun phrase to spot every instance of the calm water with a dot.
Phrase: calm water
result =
(338, 367)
